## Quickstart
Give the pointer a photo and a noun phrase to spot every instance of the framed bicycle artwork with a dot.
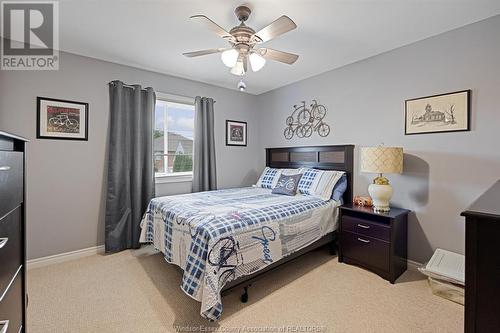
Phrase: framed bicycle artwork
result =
(61, 119)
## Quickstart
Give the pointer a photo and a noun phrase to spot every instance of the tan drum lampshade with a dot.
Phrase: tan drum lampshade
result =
(382, 159)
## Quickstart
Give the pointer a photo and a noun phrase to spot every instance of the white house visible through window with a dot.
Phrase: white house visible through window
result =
(173, 137)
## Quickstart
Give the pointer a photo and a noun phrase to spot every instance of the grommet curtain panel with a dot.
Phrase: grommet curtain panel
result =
(204, 168)
(130, 181)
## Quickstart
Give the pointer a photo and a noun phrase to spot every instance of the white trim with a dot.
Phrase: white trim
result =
(62, 257)
(413, 265)
(174, 98)
(67, 256)
(177, 177)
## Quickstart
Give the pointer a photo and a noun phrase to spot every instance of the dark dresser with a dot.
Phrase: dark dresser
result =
(375, 241)
(13, 298)
(482, 263)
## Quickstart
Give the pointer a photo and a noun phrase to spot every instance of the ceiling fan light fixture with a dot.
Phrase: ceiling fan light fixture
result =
(238, 69)
(257, 61)
(230, 57)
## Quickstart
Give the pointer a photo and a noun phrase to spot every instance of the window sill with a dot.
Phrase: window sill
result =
(180, 177)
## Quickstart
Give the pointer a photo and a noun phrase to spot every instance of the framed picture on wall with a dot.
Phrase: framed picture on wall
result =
(236, 133)
(439, 113)
(61, 119)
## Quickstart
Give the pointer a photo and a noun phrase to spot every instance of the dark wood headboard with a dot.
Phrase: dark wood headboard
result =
(338, 157)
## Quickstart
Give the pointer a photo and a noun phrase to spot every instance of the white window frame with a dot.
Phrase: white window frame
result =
(177, 177)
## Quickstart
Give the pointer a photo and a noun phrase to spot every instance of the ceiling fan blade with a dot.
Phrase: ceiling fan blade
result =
(245, 63)
(275, 29)
(287, 58)
(203, 52)
(212, 26)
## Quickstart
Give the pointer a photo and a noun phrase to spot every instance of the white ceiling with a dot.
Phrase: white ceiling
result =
(152, 34)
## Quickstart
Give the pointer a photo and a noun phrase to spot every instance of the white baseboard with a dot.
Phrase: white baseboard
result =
(413, 265)
(62, 257)
(67, 256)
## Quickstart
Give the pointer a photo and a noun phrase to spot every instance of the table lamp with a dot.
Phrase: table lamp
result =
(381, 160)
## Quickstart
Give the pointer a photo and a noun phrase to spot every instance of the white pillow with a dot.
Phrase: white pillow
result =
(318, 183)
(289, 172)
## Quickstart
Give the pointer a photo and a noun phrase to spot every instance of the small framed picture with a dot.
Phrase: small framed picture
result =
(439, 113)
(236, 133)
(60, 119)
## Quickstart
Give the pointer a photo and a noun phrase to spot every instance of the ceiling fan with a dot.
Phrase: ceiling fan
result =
(244, 40)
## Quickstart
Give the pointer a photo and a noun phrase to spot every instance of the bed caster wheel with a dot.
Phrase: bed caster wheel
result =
(244, 297)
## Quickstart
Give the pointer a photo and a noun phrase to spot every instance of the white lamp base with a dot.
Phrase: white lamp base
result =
(380, 194)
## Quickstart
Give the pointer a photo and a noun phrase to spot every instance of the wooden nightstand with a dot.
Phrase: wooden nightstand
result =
(375, 241)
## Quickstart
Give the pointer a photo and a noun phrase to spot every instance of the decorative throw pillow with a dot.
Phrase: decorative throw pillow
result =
(269, 178)
(319, 182)
(287, 184)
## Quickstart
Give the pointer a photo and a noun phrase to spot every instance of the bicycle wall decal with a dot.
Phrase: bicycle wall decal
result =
(304, 121)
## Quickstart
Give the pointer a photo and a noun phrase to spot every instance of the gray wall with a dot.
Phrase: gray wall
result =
(443, 173)
(66, 179)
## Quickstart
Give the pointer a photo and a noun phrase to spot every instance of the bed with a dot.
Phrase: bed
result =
(228, 238)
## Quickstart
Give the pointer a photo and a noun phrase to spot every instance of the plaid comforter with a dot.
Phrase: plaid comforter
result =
(218, 236)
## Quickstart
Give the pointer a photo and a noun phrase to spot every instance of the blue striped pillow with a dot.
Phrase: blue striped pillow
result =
(307, 181)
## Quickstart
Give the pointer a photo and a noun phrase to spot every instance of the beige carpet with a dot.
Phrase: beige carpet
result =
(136, 291)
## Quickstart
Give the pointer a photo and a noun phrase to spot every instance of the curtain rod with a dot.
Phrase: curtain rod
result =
(128, 85)
(132, 86)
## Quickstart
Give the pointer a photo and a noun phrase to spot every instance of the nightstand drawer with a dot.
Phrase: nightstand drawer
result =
(366, 228)
(368, 250)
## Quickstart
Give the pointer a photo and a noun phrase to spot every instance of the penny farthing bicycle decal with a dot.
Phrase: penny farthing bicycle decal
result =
(305, 120)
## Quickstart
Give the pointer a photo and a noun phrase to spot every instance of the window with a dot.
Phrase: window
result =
(173, 136)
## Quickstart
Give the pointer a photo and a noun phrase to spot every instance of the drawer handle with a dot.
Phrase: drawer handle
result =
(4, 168)
(363, 240)
(3, 241)
(5, 324)
(363, 226)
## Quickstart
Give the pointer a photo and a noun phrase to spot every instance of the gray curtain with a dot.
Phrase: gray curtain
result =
(130, 163)
(204, 171)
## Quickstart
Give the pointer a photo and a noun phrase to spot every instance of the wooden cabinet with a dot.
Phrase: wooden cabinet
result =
(12, 234)
(482, 263)
(375, 241)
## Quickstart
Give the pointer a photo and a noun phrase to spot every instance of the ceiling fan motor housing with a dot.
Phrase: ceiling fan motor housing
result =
(242, 13)
(242, 34)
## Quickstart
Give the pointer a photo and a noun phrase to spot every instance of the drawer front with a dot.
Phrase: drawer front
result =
(10, 247)
(366, 228)
(11, 307)
(11, 180)
(371, 251)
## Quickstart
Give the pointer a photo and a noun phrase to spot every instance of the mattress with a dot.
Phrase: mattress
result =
(219, 236)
